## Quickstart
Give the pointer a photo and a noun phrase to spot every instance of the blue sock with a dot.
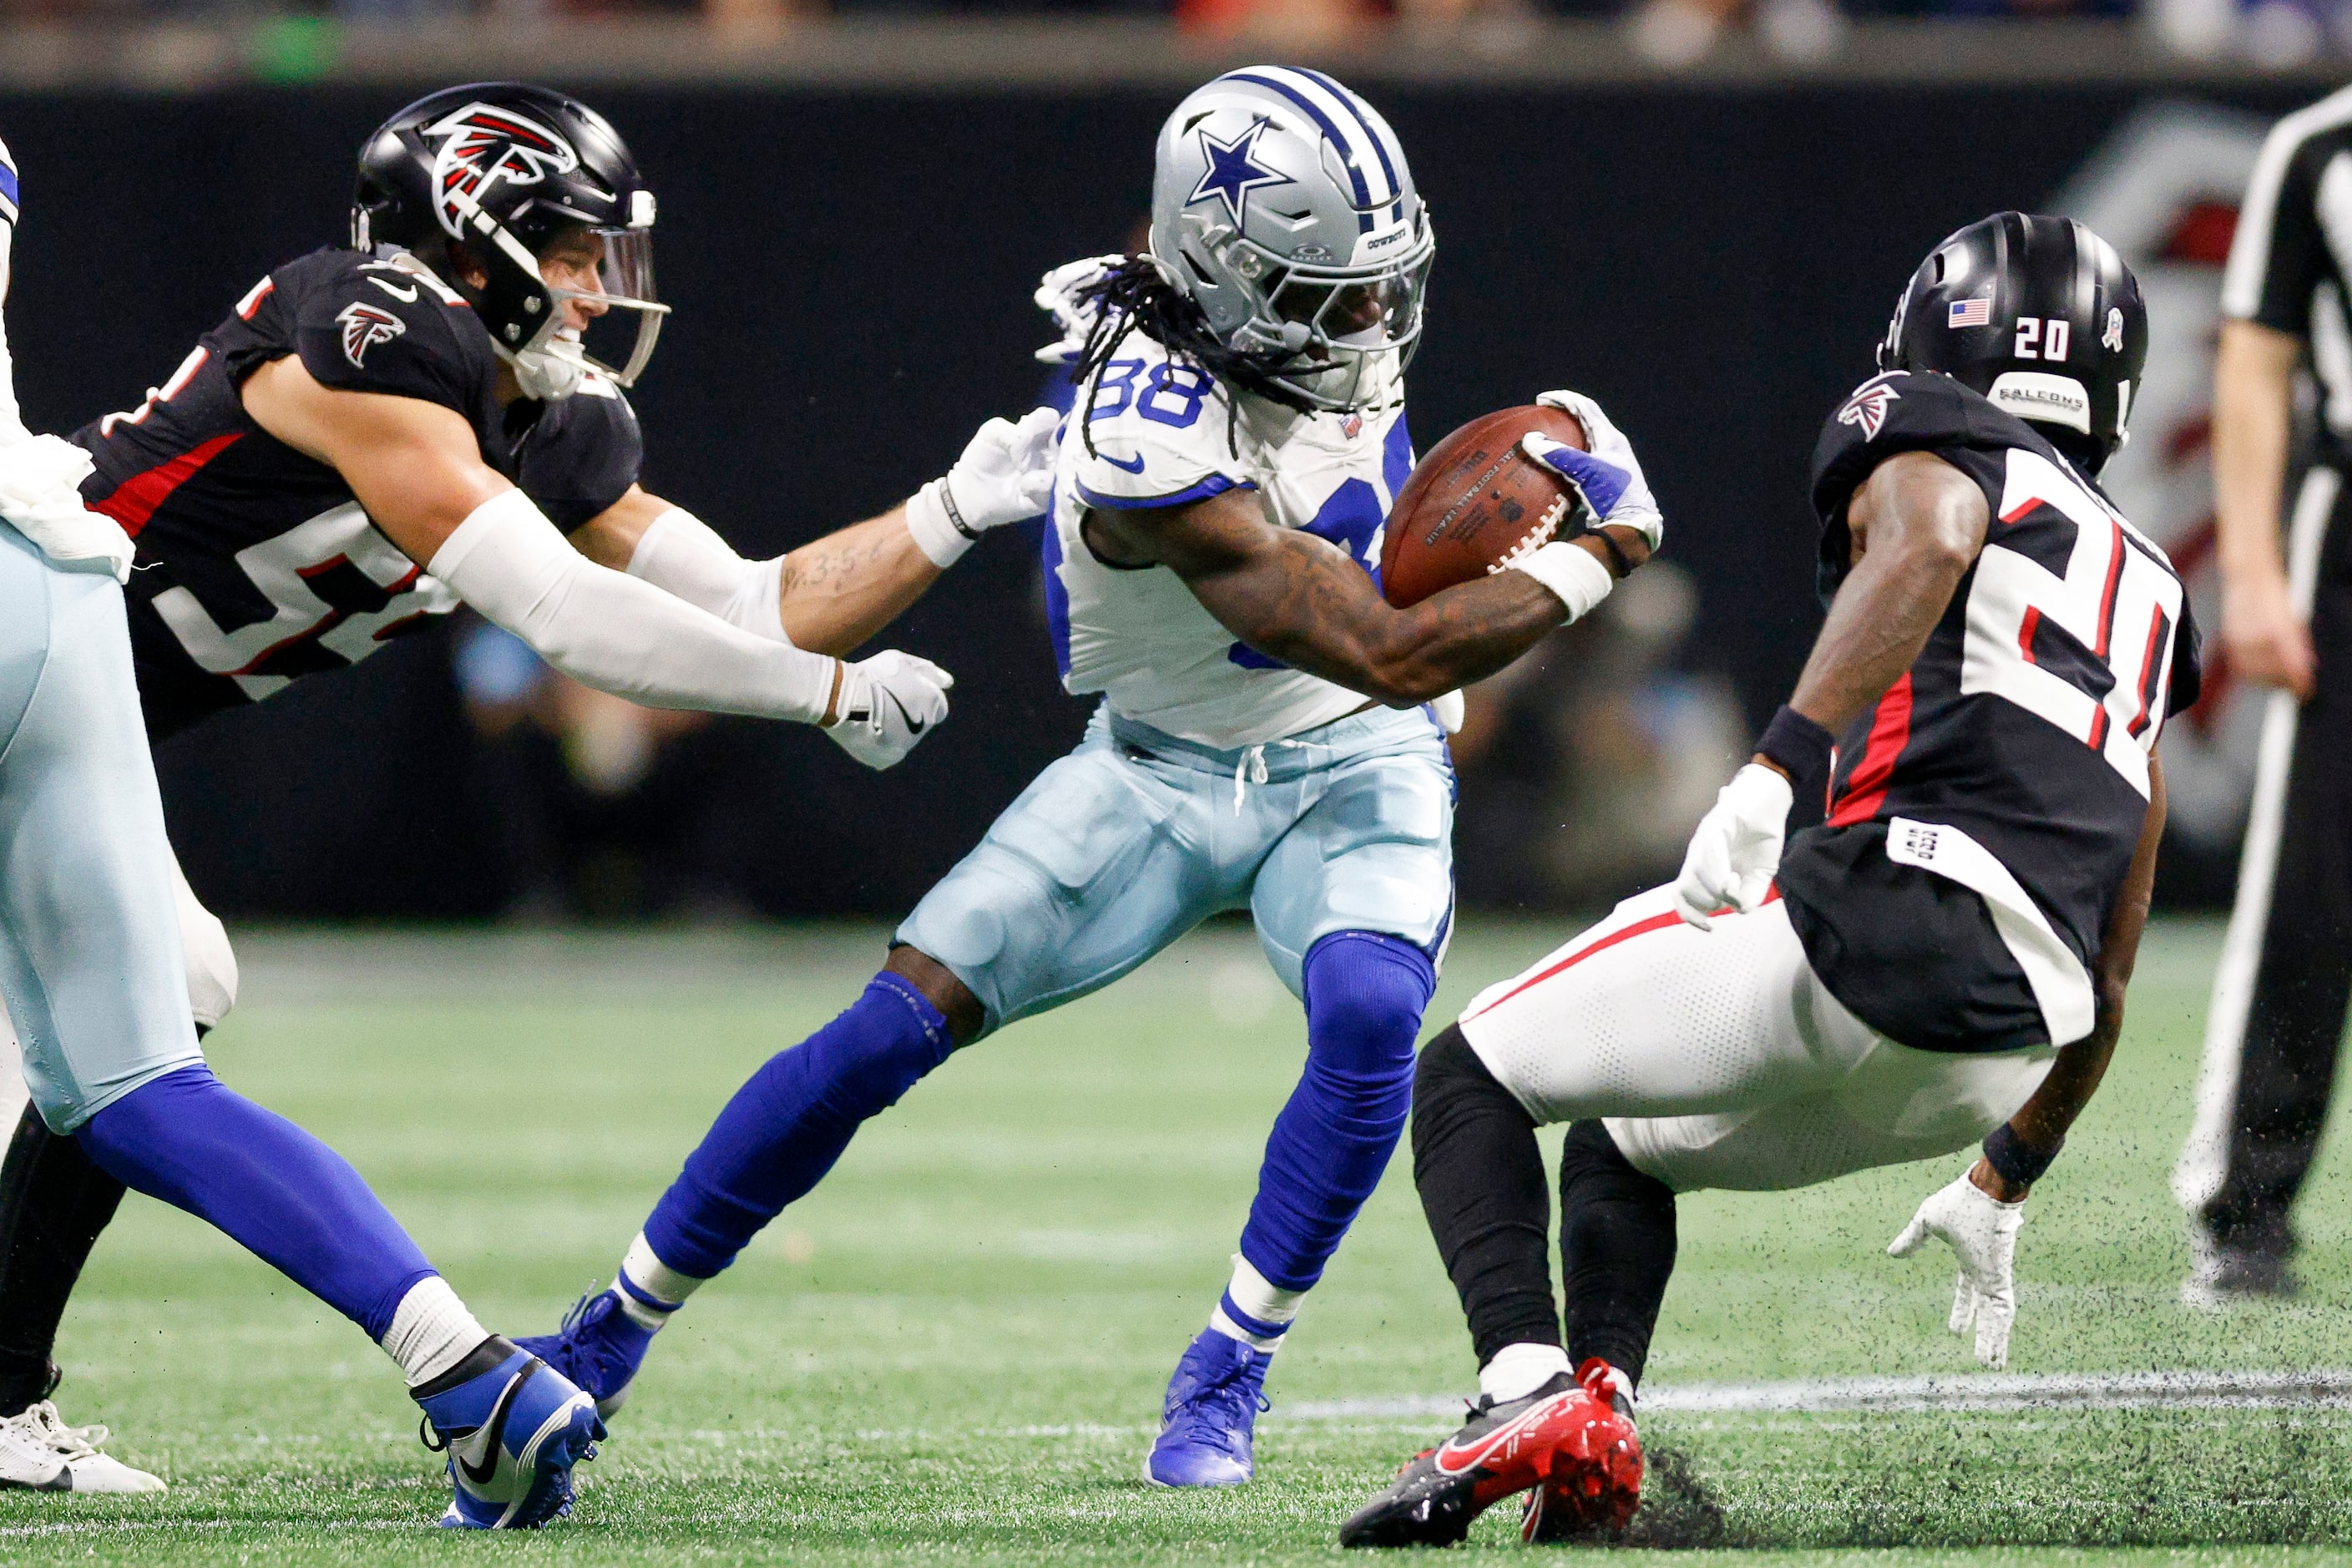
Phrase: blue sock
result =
(190, 1140)
(1365, 995)
(785, 1128)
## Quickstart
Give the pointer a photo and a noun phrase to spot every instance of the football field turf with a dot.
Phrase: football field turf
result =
(953, 1352)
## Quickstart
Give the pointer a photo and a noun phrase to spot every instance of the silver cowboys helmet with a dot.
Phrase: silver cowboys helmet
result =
(1282, 204)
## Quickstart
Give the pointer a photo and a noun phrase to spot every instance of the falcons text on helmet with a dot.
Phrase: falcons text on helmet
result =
(364, 326)
(483, 146)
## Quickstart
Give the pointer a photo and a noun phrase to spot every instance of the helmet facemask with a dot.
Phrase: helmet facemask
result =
(1338, 337)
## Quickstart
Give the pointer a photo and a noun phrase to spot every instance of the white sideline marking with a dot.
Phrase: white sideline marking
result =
(1963, 1391)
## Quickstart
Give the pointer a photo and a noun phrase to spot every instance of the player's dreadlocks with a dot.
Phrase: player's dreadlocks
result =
(1136, 295)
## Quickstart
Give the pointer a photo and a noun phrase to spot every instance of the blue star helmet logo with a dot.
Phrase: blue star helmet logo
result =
(1232, 172)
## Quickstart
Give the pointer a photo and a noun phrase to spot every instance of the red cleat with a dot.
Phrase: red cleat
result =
(1559, 1435)
(1595, 1480)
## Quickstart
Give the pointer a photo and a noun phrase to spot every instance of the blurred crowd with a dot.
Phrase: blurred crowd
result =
(1667, 33)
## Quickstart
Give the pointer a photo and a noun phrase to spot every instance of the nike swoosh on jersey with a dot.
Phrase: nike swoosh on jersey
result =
(1134, 467)
(492, 1436)
(1453, 1460)
(405, 295)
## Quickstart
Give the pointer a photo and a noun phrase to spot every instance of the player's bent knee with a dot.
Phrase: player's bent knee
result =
(1452, 1086)
(1591, 1164)
(966, 1017)
(1365, 997)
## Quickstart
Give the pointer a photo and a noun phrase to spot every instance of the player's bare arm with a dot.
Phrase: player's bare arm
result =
(1918, 524)
(2268, 638)
(833, 593)
(2043, 1120)
(1298, 598)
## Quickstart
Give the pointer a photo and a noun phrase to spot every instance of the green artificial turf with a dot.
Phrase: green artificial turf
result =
(954, 1350)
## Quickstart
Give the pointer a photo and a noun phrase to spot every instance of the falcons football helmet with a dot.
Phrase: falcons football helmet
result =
(2039, 314)
(506, 168)
(1281, 204)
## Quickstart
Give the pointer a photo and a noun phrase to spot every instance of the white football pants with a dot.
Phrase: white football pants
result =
(1719, 1059)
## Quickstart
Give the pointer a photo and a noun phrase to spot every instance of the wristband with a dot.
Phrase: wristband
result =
(2015, 1161)
(1574, 577)
(1599, 535)
(938, 529)
(1798, 744)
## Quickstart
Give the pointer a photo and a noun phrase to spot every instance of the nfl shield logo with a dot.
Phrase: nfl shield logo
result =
(1352, 426)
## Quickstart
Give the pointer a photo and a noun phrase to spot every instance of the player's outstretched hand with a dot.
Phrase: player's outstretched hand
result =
(1006, 473)
(41, 493)
(1736, 848)
(1609, 477)
(1058, 296)
(888, 704)
(1983, 1231)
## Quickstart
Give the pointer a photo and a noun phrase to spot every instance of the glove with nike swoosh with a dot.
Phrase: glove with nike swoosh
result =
(887, 704)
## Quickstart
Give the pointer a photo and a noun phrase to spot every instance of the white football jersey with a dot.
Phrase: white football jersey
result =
(1163, 434)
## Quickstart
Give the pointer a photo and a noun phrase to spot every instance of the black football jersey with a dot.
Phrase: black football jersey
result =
(255, 563)
(2027, 723)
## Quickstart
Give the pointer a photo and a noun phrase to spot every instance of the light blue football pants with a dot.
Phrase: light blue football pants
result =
(90, 963)
(1134, 838)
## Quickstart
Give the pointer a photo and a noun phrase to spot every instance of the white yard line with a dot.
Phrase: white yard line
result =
(1964, 1390)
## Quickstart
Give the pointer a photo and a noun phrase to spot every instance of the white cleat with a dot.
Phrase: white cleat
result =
(40, 1453)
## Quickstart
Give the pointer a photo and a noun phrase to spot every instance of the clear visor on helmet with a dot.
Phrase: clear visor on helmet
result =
(1360, 328)
(604, 311)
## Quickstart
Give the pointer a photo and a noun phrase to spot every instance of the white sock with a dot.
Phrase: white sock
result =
(1252, 1306)
(431, 1332)
(650, 1289)
(1520, 1370)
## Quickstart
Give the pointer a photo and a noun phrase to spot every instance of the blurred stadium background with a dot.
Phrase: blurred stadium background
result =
(856, 202)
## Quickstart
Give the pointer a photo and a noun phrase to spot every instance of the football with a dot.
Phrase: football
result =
(1474, 501)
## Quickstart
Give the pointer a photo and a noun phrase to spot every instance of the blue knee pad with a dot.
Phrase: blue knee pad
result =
(190, 1140)
(786, 1127)
(1365, 995)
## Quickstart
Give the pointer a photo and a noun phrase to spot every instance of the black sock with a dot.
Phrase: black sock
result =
(1482, 1186)
(53, 1204)
(1617, 1249)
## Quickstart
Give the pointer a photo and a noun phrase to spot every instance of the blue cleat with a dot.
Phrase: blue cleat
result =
(1207, 1420)
(599, 1347)
(513, 1428)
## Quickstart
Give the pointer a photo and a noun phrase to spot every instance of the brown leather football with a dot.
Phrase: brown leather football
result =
(1473, 503)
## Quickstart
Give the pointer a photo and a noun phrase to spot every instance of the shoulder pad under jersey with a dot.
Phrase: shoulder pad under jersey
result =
(1892, 413)
(369, 325)
(1155, 432)
(581, 455)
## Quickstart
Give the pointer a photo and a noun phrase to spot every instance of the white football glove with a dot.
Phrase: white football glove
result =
(1005, 475)
(40, 492)
(888, 704)
(1736, 848)
(1983, 1231)
(1620, 497)
(1058, 296)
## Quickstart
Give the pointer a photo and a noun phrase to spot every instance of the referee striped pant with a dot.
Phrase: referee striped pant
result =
(2277, 1017)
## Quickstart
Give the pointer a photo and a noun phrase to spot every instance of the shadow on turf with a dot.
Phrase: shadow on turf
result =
(2277, 1490)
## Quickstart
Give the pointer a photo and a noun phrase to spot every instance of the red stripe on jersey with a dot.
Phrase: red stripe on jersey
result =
(1890, 732)
(252, 301)
(2025, 630)
(2151, 675)
(134, 501)
(1639, 928)
(2018, 511)
(2107, 596)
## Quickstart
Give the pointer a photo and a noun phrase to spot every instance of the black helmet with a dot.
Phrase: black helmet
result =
(2039, 314)
(506, 167)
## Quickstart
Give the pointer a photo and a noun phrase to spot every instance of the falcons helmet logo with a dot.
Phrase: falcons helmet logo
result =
(482, 147)
(364, 326)
(1868, 408)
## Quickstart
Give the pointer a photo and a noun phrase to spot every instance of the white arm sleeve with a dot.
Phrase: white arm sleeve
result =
(608, 630)
(681, 554)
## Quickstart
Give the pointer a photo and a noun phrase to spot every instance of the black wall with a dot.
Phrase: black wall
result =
(852, 275)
